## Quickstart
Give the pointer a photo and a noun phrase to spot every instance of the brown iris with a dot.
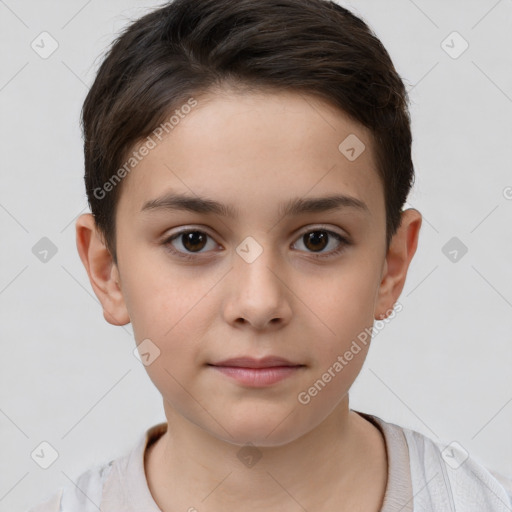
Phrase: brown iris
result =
(194, 240)
(315, 238)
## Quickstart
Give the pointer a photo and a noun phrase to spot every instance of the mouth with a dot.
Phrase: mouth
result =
(251, 362)
(253, 372)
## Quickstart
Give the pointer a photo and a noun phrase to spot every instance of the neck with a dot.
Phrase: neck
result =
(343, 457)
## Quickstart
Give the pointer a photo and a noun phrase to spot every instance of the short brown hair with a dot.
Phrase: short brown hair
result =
(190, 47)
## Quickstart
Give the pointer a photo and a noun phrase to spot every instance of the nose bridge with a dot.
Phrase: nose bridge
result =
(255, 265)
(260, 294)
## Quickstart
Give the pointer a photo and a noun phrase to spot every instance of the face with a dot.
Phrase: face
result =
(245, 278)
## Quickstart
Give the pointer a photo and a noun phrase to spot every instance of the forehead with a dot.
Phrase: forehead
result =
(252, 151)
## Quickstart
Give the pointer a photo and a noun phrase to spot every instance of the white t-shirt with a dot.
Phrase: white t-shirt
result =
(423, 476)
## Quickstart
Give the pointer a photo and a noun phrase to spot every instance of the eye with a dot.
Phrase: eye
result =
(191, 240)
(188, 243)
(315, 240)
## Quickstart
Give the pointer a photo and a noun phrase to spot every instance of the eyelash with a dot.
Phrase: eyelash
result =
(344, 243)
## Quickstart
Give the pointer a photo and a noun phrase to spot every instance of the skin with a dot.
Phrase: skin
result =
(253, 151)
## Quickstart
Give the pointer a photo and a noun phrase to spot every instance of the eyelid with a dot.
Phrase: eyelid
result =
(322, 227)
(186, 229)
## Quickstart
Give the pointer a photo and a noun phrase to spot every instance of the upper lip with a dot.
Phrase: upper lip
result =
(251, 362)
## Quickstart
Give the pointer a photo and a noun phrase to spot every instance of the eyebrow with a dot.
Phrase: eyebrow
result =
(294, 207)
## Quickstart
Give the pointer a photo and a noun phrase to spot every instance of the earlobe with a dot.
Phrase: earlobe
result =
(102, 271)
(401, 251)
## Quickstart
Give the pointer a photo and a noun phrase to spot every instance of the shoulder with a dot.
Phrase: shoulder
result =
(112, 486)
(83, 496)
(446, 477)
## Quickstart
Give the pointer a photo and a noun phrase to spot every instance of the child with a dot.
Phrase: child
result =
(277, 134)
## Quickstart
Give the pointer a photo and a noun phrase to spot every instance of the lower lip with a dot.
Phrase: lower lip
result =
(258, 377)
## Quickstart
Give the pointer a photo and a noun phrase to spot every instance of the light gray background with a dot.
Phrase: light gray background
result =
(442, 366)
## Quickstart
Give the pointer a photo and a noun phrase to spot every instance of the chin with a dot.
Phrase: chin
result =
(259, 430)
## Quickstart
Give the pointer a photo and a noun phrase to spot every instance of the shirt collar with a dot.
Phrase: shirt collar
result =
(127, 488)
(398, 496)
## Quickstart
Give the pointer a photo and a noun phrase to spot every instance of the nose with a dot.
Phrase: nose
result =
(260, 296)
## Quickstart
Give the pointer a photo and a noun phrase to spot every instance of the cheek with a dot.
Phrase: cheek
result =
(331, 382)
(174, 311)
(162, 299)
(342, 303)
(176, 322)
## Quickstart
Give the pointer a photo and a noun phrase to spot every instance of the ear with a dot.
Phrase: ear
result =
(101, 269)
(401, 250)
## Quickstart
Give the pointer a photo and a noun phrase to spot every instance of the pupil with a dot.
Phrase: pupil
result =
(316, 237)
(192, 239)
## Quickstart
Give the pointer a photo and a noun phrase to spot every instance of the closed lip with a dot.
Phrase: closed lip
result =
(251, 362)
